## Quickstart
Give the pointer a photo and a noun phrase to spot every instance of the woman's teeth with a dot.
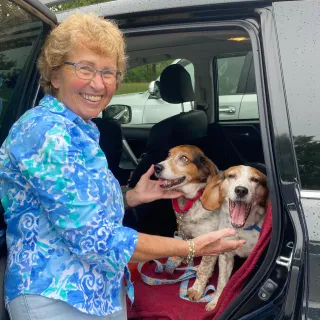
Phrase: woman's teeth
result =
(91, 98)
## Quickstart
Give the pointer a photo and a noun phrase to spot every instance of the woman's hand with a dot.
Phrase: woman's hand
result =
(211, 244)
(148, 190)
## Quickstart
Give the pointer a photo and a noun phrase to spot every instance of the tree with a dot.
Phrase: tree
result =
(75, 4)
(6, 64)
(308, 157)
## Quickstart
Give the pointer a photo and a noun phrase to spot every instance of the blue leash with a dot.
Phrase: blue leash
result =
(190, 272)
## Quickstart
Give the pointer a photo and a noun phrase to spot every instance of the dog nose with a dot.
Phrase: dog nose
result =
(158, 168)
(241, 191)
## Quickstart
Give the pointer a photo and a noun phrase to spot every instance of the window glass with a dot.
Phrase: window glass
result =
(229, 71)
(140, 92)
(299, 48)
(237, 99)
(18, 34)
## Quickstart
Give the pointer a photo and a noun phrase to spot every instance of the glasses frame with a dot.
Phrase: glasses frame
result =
(74, 64)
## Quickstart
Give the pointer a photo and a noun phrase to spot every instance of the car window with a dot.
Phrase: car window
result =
(19, 32)
(235, 85)
(140, 92)
(228, 72)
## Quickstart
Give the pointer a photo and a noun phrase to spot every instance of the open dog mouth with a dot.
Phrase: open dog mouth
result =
(166, 184)
(239, 212)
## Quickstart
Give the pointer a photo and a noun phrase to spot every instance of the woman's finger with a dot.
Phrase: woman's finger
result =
(172, 194)
(230, 245)
(222, 233)
(150, 172)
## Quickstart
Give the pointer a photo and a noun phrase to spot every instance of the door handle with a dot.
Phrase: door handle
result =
(227, 109)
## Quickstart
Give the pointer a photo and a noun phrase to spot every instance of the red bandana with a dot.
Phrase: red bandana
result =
(188, 204)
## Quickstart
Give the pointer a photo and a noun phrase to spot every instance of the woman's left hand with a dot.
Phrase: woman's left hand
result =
(148, 190)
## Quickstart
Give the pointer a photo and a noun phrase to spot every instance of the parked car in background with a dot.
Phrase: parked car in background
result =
(237, 94)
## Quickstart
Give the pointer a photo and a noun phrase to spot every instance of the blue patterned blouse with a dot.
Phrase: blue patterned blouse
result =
(64, 211)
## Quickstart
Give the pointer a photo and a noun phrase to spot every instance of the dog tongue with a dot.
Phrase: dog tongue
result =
(239, 213)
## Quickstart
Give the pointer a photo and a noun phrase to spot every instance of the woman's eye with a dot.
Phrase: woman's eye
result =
(108, 73)
(184, 159)
(86, 68)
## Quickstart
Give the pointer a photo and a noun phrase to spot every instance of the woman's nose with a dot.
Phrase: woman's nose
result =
(97, 82)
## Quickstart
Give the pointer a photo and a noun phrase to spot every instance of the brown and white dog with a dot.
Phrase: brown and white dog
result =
(241, 195)
(188, 170)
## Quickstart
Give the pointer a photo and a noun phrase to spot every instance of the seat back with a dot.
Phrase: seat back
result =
(184, 128)
(110, 142)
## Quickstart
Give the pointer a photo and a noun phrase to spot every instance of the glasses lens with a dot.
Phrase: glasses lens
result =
(109, 76)
(84, 71)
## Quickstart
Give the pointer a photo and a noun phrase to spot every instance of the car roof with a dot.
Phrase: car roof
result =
(129, 7)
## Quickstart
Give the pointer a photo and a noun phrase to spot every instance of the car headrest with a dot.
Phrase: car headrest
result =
(176, 85)
(182, 128)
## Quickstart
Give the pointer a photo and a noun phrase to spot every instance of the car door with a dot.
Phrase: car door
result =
(23, 26)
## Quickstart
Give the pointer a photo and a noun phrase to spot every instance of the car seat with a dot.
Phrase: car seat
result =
(184, 128)
(110, 142)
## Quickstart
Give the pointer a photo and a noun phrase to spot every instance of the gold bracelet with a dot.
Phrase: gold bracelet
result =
(191, 253)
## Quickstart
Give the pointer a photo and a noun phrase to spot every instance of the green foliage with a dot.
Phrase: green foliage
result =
(146, 73)
(133, 87)
(308, 157)
(75, 4)
(6, 64)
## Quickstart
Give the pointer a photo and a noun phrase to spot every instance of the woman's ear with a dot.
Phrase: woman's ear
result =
(55, 79)
(212, 198)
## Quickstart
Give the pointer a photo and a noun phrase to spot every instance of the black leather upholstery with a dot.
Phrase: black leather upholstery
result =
(184, 128)
(110, 141)
(176, 85)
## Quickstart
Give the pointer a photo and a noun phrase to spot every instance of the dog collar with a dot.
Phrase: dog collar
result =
(255, 227)
(188, 204)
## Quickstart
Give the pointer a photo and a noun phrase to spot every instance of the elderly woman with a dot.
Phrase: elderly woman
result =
(67, 248)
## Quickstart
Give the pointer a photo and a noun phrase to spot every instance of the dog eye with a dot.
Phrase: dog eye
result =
(184, 159)
(254, 180)
(231, 176)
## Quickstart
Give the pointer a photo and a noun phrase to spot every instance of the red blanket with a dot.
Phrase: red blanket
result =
(162, 302)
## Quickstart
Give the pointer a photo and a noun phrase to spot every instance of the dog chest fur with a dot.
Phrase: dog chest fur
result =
(198, 221)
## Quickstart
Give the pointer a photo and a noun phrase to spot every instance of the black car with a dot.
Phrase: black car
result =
(264, 52)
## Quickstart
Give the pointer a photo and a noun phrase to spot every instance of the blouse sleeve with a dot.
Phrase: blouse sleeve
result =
(56, 168)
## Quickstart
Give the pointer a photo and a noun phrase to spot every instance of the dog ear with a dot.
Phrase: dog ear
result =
(212, 198)
(207, 167)
(212, 168)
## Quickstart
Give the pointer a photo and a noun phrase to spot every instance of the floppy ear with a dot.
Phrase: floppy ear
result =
(212, 169)
(208, 169)
(212, 198)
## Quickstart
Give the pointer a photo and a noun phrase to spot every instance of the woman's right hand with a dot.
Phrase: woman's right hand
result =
(212, 244)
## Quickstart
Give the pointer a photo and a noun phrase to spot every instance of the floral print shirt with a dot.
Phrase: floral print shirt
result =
(64, 211)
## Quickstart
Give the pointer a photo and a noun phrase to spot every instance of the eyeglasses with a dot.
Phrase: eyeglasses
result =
(87, 72)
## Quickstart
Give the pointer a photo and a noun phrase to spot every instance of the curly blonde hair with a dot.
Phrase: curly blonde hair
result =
(80, 29)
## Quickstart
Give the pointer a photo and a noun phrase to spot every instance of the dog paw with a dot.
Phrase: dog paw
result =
(194, 294)
(212, 304)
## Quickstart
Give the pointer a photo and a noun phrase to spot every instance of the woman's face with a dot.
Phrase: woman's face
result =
(86, 98)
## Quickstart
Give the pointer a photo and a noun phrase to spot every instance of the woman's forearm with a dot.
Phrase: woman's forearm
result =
(155, 247)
